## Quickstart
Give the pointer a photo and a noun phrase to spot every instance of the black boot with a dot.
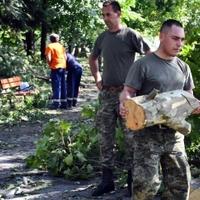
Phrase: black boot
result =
(69, 104)
(129, 183)
(107, 183)
(74, 103)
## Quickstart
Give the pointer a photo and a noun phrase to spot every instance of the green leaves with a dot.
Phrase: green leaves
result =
(80, 156)
(89, 110)
(15, 110)
(65, 148)
(68, 160)
(193, 142)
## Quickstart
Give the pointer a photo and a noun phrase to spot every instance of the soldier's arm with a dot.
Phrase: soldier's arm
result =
(197, 110)
(127, 93)
(94, 67)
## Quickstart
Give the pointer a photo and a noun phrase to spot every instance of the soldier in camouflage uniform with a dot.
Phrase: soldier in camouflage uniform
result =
(117, 47)
(158, 148)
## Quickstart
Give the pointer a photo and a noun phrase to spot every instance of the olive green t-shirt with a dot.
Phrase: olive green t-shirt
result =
(152, 72)
(118, 52)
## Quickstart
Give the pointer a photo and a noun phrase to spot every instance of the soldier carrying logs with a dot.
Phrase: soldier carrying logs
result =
(159, 147)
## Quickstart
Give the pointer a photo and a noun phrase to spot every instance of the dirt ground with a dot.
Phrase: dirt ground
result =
(19, 183)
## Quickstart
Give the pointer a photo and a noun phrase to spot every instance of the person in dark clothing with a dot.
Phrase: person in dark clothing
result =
(74, 73)
(117, 47)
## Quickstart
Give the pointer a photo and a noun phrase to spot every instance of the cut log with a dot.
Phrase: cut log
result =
(168, 108)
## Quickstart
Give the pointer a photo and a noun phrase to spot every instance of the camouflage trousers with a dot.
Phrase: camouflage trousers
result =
(107, 120)
(159, 155)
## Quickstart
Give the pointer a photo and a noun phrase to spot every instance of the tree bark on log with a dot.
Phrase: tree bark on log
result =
(168, 108)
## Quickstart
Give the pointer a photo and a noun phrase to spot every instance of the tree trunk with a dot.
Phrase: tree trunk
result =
(43, 30)
(29, 42)
(76, 52)
(43, 40)
(168, 108)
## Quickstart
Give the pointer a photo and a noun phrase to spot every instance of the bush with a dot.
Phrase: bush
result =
(69, 149)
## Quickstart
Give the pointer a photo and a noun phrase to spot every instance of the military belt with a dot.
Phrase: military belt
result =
(113, 88)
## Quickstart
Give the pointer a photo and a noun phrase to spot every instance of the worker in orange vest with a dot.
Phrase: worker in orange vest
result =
(56, 59)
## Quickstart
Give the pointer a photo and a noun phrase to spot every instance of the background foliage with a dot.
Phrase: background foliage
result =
(25, 25)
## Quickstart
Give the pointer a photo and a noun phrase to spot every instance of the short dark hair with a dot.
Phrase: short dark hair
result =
(115, 5)
(169, 23)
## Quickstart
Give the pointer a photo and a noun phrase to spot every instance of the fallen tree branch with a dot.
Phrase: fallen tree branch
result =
(168, 108)
(37, 75)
